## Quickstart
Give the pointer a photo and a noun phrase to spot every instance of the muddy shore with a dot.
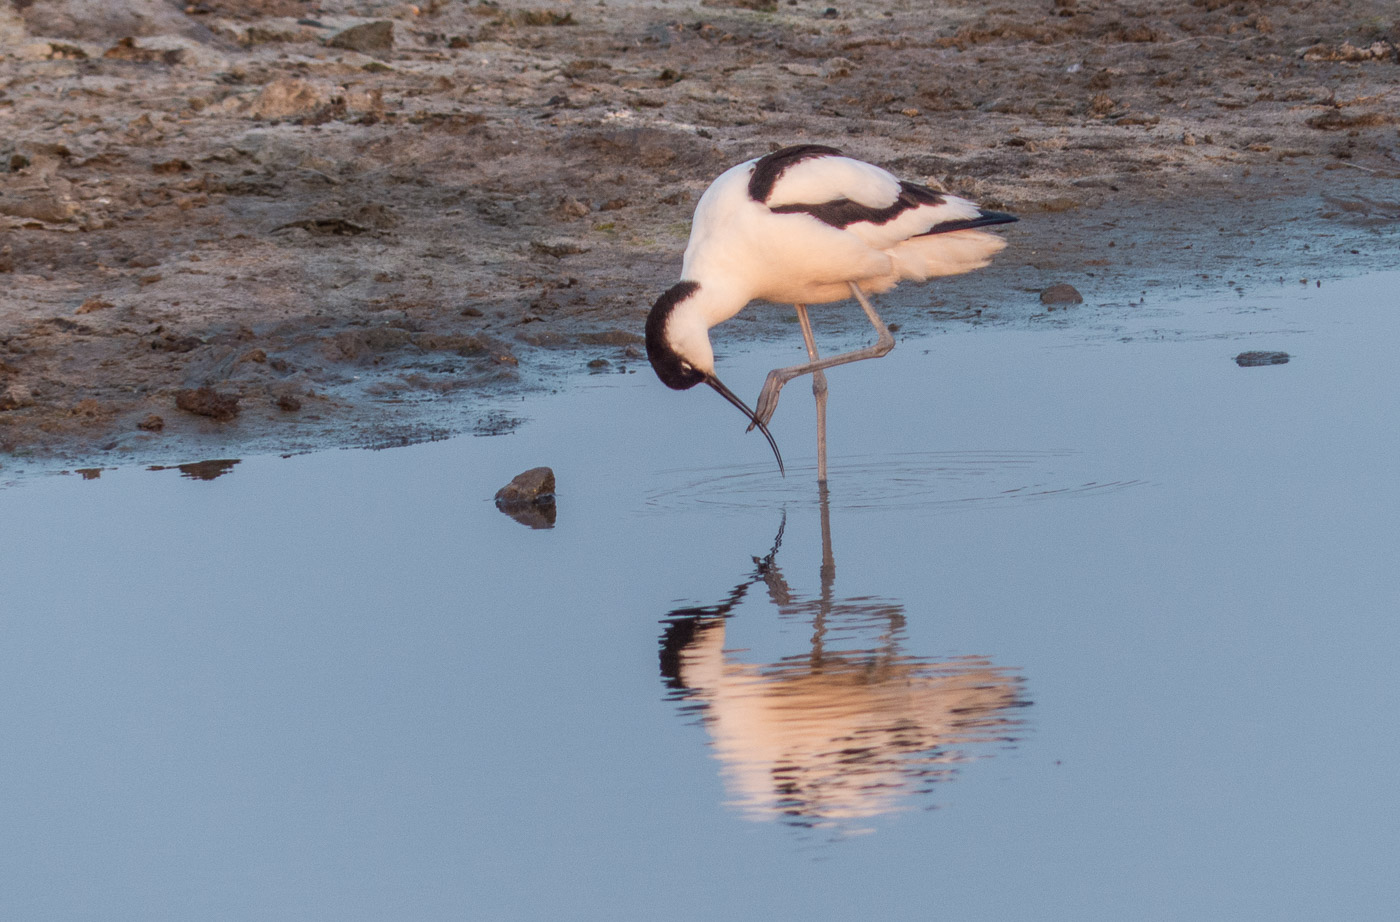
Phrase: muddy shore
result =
(242, 226)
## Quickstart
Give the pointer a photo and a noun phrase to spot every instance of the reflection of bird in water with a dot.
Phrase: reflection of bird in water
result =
(832, 734)
(806, 225)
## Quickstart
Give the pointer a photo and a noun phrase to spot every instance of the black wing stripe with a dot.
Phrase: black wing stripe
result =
(842, 213)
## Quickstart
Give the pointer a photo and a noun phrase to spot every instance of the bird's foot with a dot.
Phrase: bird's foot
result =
(768, 397)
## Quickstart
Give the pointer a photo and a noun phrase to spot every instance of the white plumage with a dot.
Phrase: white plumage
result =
(806, 225)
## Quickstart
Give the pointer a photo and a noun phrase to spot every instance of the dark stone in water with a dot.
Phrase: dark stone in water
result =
(1255, 359)
(529, 487)
(529, 498)
(1061, 294)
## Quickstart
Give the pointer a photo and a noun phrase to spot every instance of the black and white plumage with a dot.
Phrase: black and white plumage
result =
(806, 225)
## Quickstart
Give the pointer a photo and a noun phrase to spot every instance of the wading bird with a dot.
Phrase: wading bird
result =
(806, 225)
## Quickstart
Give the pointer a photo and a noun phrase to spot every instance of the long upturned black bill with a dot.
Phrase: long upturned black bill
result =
(727, 394)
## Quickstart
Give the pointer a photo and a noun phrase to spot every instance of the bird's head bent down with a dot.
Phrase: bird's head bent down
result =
(678, 346)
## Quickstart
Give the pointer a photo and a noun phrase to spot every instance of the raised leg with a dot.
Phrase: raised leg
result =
(818, 389)
(768, 398)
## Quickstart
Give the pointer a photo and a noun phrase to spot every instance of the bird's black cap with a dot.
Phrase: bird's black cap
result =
(678, 374)
(673, 371)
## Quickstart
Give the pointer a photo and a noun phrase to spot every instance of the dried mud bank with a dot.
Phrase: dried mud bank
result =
(268, 225)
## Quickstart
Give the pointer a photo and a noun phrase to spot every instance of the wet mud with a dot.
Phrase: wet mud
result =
(238, 226)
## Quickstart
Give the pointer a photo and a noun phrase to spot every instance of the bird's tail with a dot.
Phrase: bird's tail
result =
(952, 253)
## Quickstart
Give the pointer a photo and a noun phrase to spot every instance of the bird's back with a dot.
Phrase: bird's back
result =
(801, 223)
(742, 246)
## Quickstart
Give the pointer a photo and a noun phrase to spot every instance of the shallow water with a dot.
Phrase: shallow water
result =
(1093, 624)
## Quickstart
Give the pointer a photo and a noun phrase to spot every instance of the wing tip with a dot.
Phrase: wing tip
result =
(988, 217)
(985, 218)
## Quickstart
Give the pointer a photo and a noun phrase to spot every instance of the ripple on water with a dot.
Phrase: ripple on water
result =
(948, 480)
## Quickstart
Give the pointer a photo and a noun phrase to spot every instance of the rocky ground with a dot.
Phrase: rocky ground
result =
(232, 226)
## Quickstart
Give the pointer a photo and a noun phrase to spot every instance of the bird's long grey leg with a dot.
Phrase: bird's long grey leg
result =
(768, 398)
(818, 388)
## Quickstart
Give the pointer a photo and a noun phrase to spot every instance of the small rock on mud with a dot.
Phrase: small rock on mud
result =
(1061, 294)
(126, 49)
(1256, 359)
(93, 304)
(559, 247)
(16, 396)
(366, 38)
(205, 401)
(286, 97)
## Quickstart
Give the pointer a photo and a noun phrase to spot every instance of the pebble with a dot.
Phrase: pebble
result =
(285, 97)
(366, 38)
(529, 498)
(558, 247)
(570, 208)
(16, 396)
(205, 401)
(126, 49)
(93, 304)
(1061, 294)
(49, 207)
(533, 486)
(1257, 359)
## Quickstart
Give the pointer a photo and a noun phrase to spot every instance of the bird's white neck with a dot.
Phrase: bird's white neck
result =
(714, 302)
(679, 323)
(688, 332)
(688, 329)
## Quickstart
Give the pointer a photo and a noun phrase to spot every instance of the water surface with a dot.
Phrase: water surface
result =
(1093, 624)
